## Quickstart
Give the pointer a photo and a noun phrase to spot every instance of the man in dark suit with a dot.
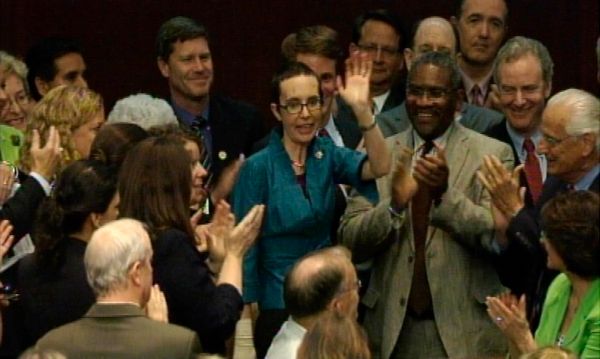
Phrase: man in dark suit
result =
(228, 128)
(119, 270)
(435, 34)
(381, 34)
(523, 72)
(571, 144)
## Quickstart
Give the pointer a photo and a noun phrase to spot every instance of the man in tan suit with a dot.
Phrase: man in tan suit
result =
(119, 270)
(431, 234)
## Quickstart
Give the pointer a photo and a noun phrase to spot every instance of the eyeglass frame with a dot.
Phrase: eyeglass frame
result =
(427, 92)
(306, 104)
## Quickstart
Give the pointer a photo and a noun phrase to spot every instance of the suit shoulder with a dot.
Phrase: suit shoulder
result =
(229, 104)
(484, 143)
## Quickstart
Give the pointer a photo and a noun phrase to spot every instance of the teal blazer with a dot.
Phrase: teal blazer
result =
(294, 223)
(583, 336)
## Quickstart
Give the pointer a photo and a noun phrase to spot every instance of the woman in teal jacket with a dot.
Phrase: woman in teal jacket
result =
(571, 314)
(295, 176)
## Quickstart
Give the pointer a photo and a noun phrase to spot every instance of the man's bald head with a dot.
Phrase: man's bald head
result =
(315, 280)
(431, 34)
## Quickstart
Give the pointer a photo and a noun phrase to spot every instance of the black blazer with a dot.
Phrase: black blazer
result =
(235, 126)
(20, 209)
(49, 300)
(500, 133)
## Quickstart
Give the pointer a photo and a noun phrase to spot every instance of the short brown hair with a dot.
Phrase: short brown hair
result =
(317, 40)
(570, 224)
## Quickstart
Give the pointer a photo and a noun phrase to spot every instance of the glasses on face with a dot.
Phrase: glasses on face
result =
(355, 286)
(553, 141)
(434, 93)
(294, 106)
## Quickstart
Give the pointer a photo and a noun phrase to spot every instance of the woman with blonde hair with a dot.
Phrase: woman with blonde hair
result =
(77, 114)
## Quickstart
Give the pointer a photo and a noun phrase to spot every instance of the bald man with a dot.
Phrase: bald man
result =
(435, 34)
(322, 281)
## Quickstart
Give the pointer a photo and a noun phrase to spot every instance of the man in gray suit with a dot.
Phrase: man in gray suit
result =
(119, 270)
(431, 234)
(435, 34)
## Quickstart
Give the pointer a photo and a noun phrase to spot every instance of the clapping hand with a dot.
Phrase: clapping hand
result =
(45, 159)
(503, 185)
(404, 186)
(156, 308)
(432, 171)
(6, 239)
(509, 315)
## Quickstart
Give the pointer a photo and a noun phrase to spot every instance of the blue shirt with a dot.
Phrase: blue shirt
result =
(294, 224)
(586, 181)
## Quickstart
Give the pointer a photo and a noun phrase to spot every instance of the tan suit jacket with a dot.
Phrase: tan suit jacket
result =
(121, 331)
(458, 251)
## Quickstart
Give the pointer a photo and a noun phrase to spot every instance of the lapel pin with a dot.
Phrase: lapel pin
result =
(222, 155)
(319, 154)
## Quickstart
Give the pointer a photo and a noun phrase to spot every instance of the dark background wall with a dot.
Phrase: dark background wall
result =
(118, 36)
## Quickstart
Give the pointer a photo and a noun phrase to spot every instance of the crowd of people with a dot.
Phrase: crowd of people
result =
(435, 199)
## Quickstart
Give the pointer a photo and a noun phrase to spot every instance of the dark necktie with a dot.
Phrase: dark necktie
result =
(476, 96)
(202, 128)
(419, 300)
(532, 170)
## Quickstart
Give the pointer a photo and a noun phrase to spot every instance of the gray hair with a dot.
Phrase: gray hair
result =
(519, 46)
(12, 65)
(142, 110)
(111, 252)
(441, 60)
(584, 109)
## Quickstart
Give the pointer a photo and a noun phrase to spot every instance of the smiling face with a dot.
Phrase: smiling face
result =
(198, 192)
(189, 69)
(481, 29)
(325, 70)
(299, 128)
(84, 135)
(523, 92)
(430, 115)
(20, 103)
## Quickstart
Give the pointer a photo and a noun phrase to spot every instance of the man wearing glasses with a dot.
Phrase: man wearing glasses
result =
(380, 33)
(570, 142)
(431, 232)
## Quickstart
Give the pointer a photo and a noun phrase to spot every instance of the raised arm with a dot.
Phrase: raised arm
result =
(356, 94)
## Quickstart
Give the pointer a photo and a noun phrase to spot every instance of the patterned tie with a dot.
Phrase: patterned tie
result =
(476, 96)
(202, 128)
(419, 300)
(532, 170)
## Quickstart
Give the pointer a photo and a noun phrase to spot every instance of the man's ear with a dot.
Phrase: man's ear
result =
(135, 273)
(589, 140)
(42, 86)
(275, 110)
(163, 67)
(548, 90)
(409, 56)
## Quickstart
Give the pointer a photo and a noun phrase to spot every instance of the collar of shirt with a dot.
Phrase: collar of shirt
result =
(468, 84)
(518, 139)
(418, 142)
(586, 181)
(335, 135)
(186, 117)
(379, 101)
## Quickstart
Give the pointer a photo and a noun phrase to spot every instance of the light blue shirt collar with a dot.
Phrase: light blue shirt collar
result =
(186, 117)
(586, 181)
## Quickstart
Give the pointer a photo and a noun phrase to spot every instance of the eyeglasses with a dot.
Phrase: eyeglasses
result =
(374, 48)
(294, 106)
(553, 141)
(430, 92)
(355, 286)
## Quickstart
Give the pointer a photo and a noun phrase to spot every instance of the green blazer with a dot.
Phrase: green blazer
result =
(11, 141)
(583, 336)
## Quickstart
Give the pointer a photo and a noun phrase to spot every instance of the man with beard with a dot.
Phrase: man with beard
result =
(481, 27)
(431, 234)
